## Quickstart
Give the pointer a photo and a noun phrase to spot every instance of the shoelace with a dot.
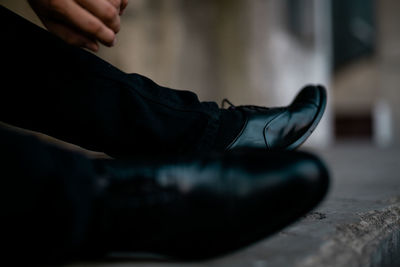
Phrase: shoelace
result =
(233, 107)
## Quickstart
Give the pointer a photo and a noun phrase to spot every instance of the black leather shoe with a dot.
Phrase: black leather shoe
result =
(193, 209)
(283, 127)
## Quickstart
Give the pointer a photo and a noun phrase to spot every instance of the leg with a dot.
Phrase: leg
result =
(59, 205)
(46, 199)
(71, 94)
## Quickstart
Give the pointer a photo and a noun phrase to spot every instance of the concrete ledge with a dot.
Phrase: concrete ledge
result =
(373, 241)
(357, 225)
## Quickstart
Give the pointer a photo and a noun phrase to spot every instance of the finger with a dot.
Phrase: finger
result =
(71, 36)
(119, 4)
(103, 10)
(124, 4)
(115, 3)
(87, 23)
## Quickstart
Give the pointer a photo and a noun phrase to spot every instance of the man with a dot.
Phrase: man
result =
(188, 180)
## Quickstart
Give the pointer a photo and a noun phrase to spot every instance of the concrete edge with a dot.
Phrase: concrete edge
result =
(373, 241)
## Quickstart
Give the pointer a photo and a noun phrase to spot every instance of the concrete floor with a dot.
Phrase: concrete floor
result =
(358, 224)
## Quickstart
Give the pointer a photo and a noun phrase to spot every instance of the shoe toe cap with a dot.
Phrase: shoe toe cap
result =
(314, 176)
(315, 94)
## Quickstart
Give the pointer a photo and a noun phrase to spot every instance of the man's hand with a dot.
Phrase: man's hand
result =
(82, 23)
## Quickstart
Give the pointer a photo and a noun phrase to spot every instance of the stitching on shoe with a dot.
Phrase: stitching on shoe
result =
(266, 128)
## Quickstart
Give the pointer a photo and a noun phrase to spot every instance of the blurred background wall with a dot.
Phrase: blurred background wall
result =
(263, 51)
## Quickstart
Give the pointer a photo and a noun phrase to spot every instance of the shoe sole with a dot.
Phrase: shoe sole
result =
(317, 119)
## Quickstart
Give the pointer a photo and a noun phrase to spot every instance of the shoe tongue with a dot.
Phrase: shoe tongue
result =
(242, 107)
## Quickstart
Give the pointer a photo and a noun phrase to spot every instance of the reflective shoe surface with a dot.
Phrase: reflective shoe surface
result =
(282, 127)
(196, 208)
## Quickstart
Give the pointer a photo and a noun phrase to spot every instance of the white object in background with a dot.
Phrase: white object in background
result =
(382, 124)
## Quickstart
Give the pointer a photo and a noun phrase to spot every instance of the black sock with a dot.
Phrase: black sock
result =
(232, 122)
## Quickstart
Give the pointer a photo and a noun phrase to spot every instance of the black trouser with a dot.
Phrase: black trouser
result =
(66, 92)
(73, 95)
